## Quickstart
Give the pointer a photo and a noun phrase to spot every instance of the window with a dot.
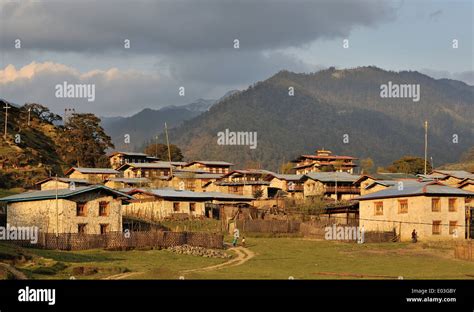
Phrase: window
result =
(378, 208)
(403, 206)
(103, 209)
(104, 228)
(192, 207)
(176, 207)
(452, 204)
(81, 209)
(436, 227)
(81, 228)
(435, 205)
(452, 227)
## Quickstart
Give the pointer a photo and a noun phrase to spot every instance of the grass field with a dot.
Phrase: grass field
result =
(275, 258)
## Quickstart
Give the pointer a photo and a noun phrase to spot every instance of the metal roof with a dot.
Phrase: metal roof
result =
(332, 176)
(61, 193)
(188, 175)
(211, 163)
(153, 165)
(170, 193)
(129, 180)
(289, 177)
(66, 180)
(129, 154)
(460, 174)
(414, 189)
(94, 170)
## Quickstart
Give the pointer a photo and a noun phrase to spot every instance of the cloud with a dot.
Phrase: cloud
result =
(117, 92)
(163, 27)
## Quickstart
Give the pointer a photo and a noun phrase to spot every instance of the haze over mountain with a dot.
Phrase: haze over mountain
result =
(146, 124)
(340, 110)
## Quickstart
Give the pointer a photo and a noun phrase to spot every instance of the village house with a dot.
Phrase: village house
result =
(118, 159)
(251, 182)
(291, 184)
(192, 181)
(367, 181)
(335, 185)
(159, 204)
(60, 183)
(94, 209)
(323, 160)
(156, 170)
(453, 177)
(217, 167)
(92, 175)
(124, 183)
(434, 210)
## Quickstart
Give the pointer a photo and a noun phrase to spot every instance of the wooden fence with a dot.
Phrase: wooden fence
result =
(119, 240)
(464, 251)
(268, 226)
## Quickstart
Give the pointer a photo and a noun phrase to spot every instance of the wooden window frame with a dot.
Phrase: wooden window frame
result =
(400, 203)
(102, 227)
(376, 211)
(81, 226)
(81, 206)
(453, 208)
(436, 208)
(106, 208)
(192, 207)
(436, 224)
(176, 207)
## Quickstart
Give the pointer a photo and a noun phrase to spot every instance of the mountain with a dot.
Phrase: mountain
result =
(146, 124)
(330, 107)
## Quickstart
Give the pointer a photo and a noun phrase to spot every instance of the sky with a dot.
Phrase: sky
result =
(191, 44)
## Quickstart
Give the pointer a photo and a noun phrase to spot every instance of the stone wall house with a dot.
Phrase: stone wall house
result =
(125, 183)
(192, 181)
(243, 182)
(210, 166)
(291, 184)
(156, 170)
(118, 159)
(92, 209)
(324, 160)
(92, 175)
(385, 178)
(60, 183)
(336, 185)
(159, 204)
(453, 177)
(434, 210)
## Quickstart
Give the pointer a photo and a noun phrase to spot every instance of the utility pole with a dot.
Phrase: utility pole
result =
(6, 119)
(426, 144)
(57, 208)
(29, 115)
(169, 150)
(156, 147)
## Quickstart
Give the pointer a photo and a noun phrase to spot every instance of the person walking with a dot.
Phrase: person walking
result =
(414, 236)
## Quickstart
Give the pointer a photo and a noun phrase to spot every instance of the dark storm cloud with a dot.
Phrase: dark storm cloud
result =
(179, 26)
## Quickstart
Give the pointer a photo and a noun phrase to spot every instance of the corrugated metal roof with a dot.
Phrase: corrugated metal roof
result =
(96, 170)
(187, 175)
(129, 154)
(153, 165)
(129, 180)
(460, 174)
(289, 177)
(211, 163)
(332, 176)
(413, 189)
(170, 193)
(66, 180)
(62, 193)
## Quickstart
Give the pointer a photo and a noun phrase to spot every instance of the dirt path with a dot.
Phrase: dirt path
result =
(243, 255)
(121, 275)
